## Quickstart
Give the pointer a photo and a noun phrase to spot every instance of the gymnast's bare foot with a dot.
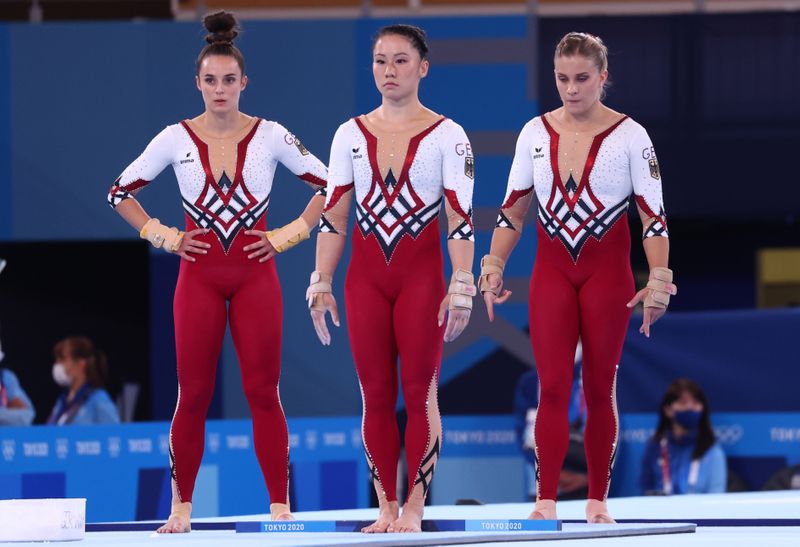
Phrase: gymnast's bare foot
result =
(386, 516)
(411, 519)
(280, 511)
(597, 512)
(179, 519)
(544, 510)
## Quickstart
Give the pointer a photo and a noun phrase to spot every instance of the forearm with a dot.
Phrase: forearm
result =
(151, 229)
(313, 211)
(503, 242)
(462, 254)
(133, 213)
(657, 251)
(329, 251)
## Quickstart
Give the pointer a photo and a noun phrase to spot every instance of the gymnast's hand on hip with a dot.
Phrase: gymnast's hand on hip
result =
(191, 245)
(262, 247)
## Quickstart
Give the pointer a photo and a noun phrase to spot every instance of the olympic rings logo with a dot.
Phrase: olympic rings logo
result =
(729, 434)
(9, 449)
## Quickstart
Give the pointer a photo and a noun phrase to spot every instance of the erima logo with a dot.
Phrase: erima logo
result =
(357, 156)
(538, 153)
(539, 149)
(187, 159)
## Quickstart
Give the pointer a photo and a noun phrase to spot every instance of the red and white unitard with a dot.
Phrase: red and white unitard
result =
(225, 185)
(581, 279)
(395, 281)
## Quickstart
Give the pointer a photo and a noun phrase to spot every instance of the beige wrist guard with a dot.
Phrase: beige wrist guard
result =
(161, 237)
(461, 291)
(491, 265)
(658, 296)
(319, 284)
(288, 236)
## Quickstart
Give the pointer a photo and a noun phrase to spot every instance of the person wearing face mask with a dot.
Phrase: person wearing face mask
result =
(400, 163)
(683, 456)
(15, 406)
(583, 162)
(81, 369)
(225, 162)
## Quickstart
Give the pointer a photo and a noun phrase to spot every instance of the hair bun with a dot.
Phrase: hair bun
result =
(222, 27)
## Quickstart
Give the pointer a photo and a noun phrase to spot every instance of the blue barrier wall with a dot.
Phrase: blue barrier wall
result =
(101, 463)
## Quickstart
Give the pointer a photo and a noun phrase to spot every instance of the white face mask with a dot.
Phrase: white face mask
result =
(60, 375)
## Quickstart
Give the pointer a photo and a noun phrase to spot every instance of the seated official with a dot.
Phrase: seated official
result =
(81, 369)
(683, 456)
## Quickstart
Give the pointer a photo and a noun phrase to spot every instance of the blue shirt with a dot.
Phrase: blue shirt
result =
(712, 470)
(12, 390)
(98, 408)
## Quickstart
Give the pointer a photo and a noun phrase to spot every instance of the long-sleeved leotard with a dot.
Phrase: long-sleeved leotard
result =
(581, 279)
(225, 185)
(394, 283)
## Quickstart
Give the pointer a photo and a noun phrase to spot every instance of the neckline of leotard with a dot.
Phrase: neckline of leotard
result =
(594, 148)
(548, 119)
(372, 129)
(235, 137)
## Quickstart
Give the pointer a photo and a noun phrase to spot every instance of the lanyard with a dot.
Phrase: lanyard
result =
(65, 411)
(666, 476)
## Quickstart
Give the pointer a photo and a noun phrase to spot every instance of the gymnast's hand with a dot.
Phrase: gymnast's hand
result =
(651, 313)
(492, 293)
(262, 247)
(319, 304)
(191, 245)
(457, 319)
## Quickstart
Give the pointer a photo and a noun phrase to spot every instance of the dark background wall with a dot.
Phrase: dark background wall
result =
(50, 291)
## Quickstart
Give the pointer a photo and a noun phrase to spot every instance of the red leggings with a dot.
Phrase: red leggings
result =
(568, 301)
(254, 295)
(391, 313)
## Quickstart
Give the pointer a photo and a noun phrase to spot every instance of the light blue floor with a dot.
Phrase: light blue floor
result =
(772, 505)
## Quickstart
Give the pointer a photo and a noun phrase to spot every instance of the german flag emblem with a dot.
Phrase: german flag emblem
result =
(469, 167)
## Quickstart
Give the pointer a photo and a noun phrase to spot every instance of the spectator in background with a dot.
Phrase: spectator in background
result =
(82, 370)
(15, 406)
(683, 457)
(787, 478)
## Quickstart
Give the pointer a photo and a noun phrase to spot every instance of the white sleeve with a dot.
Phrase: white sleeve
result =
(519, 191)
(291, 153)
(155, 158)
(646, 180)
(340, 185)
(458, 177)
